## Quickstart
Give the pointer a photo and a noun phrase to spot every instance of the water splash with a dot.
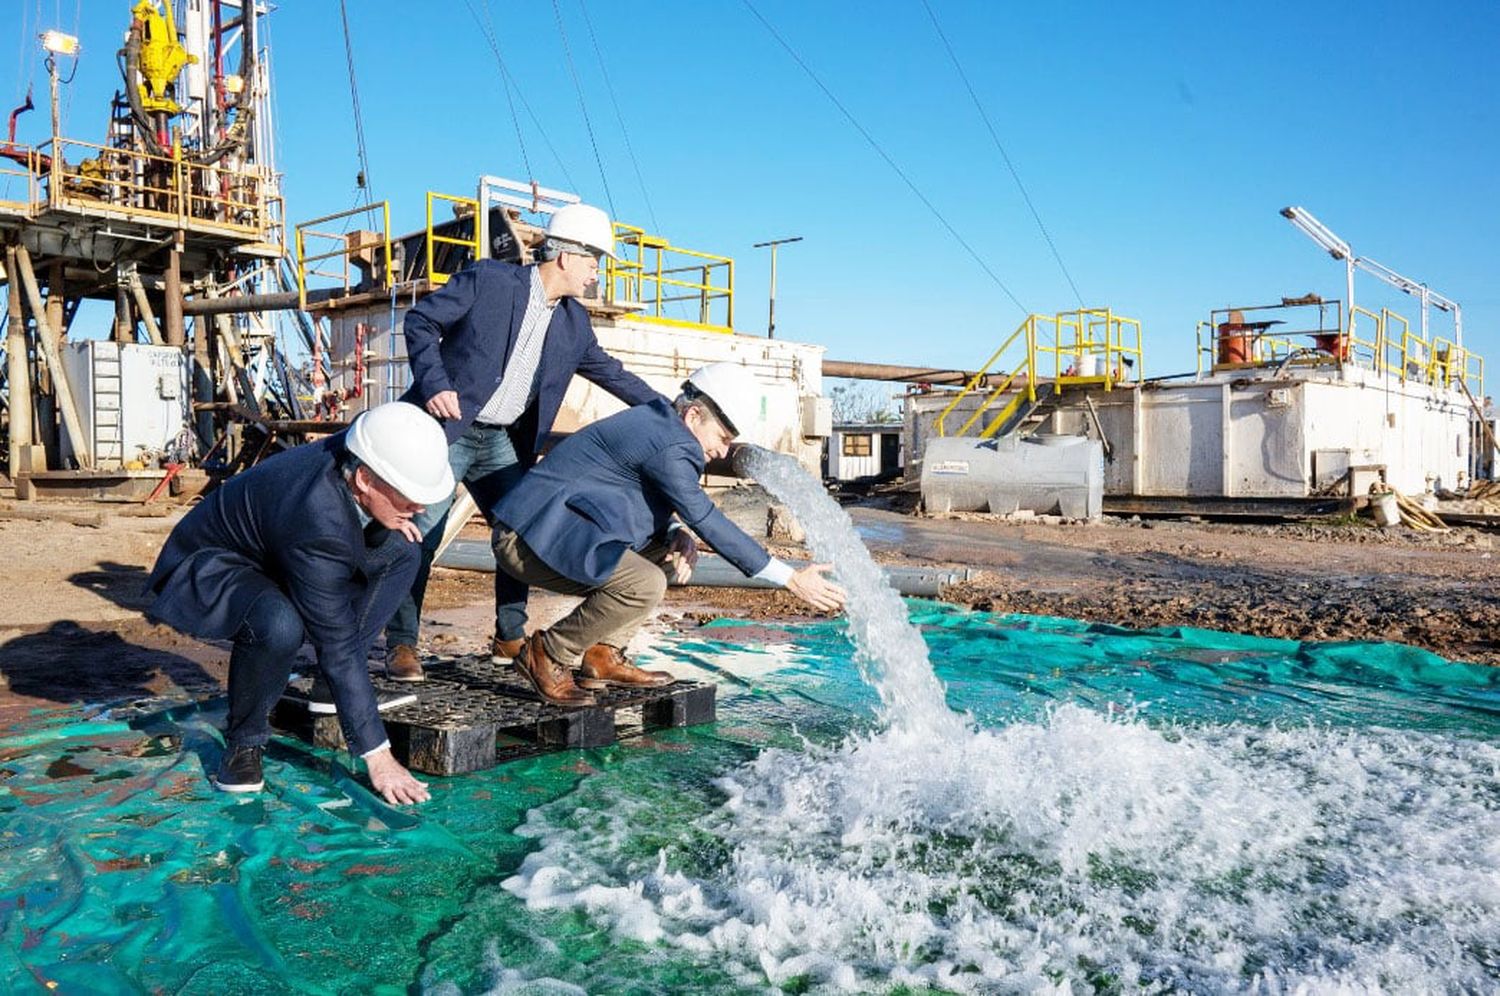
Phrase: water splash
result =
(889, 651)
(1084, 853)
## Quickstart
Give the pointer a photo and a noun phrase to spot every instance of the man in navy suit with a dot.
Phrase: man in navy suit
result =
(317, 542)
(492, 354)
(612, 504)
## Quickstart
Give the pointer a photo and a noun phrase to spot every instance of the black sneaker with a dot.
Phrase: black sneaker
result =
(240, 770)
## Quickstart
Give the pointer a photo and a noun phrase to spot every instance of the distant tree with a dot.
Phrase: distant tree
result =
(863, 401)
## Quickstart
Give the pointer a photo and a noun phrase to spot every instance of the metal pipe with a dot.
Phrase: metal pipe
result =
(173, 305)
(48, 340)
(239, 304)
(18, 373)
(854, 370)
(713, 571)
(148, 317)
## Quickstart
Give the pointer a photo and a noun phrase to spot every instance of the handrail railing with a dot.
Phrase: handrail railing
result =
(434, 276)
(184, 194)
(12, 168)
(648, 270)
(1388, 347)
(347, 245)
(1096, 344)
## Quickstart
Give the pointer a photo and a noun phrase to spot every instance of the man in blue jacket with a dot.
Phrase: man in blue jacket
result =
(596, 518)
(317, 542)
(492, 354)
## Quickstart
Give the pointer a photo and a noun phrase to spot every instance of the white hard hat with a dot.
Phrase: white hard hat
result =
(731, 390)
(406, 448)
(583, 225)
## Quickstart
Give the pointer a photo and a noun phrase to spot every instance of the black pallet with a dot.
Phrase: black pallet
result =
(472, 714)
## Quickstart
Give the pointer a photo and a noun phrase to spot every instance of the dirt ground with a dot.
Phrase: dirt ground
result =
(71, 629)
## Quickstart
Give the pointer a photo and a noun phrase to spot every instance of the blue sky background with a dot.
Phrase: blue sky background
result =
(1157, 140)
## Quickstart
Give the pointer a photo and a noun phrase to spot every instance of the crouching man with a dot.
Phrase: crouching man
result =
(596, 518)
(314, 543)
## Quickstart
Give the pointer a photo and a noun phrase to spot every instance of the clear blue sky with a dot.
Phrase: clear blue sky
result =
(1157, 141)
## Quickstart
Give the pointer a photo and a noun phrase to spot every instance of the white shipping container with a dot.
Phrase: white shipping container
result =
(133, 399)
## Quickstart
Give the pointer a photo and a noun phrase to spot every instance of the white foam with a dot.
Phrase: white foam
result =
(1027, 857)
(504, 981)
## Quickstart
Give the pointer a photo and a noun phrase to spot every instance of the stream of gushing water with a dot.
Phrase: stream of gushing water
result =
(891, 654)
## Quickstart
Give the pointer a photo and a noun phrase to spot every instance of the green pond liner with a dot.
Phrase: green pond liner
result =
(634, 868)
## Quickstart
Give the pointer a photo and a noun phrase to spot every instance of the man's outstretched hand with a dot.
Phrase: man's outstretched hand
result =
(394, 782)
(812, 587)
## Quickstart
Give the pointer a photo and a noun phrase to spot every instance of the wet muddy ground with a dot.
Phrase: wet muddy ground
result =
(71, 629)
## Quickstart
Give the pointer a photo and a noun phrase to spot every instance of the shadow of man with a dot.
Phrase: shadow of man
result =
(122, 584)
(71, 664)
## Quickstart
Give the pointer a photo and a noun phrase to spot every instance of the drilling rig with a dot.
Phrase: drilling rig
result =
(159, 240)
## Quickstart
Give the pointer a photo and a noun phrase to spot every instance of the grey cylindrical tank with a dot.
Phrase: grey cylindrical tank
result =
(1062, 475)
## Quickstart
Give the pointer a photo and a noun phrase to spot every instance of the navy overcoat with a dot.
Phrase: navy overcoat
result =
(614, 485)
(460, 339)
(291, 523)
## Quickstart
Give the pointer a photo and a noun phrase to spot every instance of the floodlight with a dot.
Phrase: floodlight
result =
(60, 44)
(234, 83)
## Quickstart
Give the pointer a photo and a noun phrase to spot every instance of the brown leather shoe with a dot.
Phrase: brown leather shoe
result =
(403, 664)
(604, 666)
(505, 650)
(552, 681)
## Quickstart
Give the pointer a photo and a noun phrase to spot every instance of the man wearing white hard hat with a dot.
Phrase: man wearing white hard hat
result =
(611, 510)
(491, 355)
(317, 543)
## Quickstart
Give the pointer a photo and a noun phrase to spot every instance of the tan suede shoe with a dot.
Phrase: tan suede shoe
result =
(604, 666)
(505, 650)
(403, 664)
(552, 681)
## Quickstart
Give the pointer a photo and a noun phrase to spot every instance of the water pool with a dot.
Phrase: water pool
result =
(1172, 810)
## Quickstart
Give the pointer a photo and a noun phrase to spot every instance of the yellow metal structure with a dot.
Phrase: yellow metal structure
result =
(650, 271)
(1379, 341)
(346, 246)
(215, 200)
(162, 56)
(434, 277)
(1090, 347)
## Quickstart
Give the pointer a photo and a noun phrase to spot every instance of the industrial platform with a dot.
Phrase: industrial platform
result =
(473, 714)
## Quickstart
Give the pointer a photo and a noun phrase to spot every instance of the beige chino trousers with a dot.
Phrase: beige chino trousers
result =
(610, 614)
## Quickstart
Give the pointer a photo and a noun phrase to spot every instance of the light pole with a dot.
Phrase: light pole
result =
(57, 44)
(771, 315)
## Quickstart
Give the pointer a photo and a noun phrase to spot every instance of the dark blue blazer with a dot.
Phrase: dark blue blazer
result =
(290, 524)
(460, 339)
(613, 486)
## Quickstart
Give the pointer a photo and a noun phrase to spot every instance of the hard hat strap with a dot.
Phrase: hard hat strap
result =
(695, 394)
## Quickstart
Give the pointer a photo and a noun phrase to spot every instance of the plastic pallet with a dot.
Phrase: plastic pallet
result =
(472, 714)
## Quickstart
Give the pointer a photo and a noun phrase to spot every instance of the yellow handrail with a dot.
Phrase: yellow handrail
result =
(472, 243)
(1094, 342)
(167, 188)
(649, 270)
(345, 247)
(10, 169)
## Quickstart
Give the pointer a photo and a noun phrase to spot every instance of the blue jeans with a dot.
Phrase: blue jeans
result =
(265, 647)
(484, 460)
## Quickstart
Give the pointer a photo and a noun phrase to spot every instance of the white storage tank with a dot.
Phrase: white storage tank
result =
(1061, 475)
(133, 399)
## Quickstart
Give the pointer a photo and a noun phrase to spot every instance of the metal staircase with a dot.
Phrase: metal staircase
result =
(1046, 355)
